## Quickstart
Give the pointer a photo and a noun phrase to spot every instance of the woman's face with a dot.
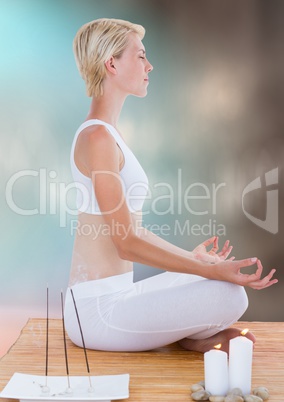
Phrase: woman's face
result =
(132, 68)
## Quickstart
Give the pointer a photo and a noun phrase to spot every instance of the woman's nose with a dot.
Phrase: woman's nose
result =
(150, 68)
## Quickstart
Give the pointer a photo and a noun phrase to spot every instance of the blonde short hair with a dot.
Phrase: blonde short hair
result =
(95, 43)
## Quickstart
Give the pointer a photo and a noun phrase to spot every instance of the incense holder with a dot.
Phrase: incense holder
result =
(29, 388)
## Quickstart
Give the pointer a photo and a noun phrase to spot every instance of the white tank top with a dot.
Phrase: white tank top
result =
(133, 178)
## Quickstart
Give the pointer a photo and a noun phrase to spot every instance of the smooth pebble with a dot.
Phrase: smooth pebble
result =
(253, 398)
(200, 396)
(233, 398)
(236, 391)
(262, 392)
(216, 398)
(197, 387)
(202, 383)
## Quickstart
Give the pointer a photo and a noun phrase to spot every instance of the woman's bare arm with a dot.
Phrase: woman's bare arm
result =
(101, 158)
(200, 252)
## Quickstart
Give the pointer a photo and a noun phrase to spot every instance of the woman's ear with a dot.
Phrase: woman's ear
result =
(110, 65)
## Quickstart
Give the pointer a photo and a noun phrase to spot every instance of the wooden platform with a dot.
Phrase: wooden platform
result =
(164, 374)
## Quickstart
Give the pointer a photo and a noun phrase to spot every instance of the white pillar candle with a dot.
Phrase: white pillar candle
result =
(216, 372)
(240, 364)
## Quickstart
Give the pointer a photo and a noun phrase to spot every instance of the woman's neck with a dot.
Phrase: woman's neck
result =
(106, 107)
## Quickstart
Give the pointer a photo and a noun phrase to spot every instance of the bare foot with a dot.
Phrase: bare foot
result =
(223, 337)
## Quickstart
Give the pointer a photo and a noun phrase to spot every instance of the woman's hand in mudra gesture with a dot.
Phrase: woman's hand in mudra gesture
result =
(228, 270)
(212, 256)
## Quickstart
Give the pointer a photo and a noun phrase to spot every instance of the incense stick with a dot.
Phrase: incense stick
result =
(45, 389)
(65, 347)
(82, 337)
(47, 329)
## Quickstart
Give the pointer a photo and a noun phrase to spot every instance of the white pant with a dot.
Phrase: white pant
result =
(119, 315)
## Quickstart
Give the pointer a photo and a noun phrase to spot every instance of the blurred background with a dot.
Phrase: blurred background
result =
(212, 123)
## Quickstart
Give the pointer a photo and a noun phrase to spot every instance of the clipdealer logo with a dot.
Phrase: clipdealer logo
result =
(270, 223)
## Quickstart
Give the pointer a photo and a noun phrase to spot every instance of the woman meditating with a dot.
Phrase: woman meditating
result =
(202, 292)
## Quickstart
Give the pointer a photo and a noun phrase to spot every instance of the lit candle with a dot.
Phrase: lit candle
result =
(216, 371)
(240, 363)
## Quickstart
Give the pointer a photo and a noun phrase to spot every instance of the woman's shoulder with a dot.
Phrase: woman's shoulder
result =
(95, 134)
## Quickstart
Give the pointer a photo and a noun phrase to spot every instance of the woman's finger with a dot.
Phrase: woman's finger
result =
(226, 253)
(225, 248)
(216, 243)
(208, 242)
(215, 247)
(247, 262)
(267, 285)
(265, 282)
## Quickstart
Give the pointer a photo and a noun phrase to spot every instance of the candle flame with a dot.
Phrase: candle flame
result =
(244, 331)
(218, 346)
